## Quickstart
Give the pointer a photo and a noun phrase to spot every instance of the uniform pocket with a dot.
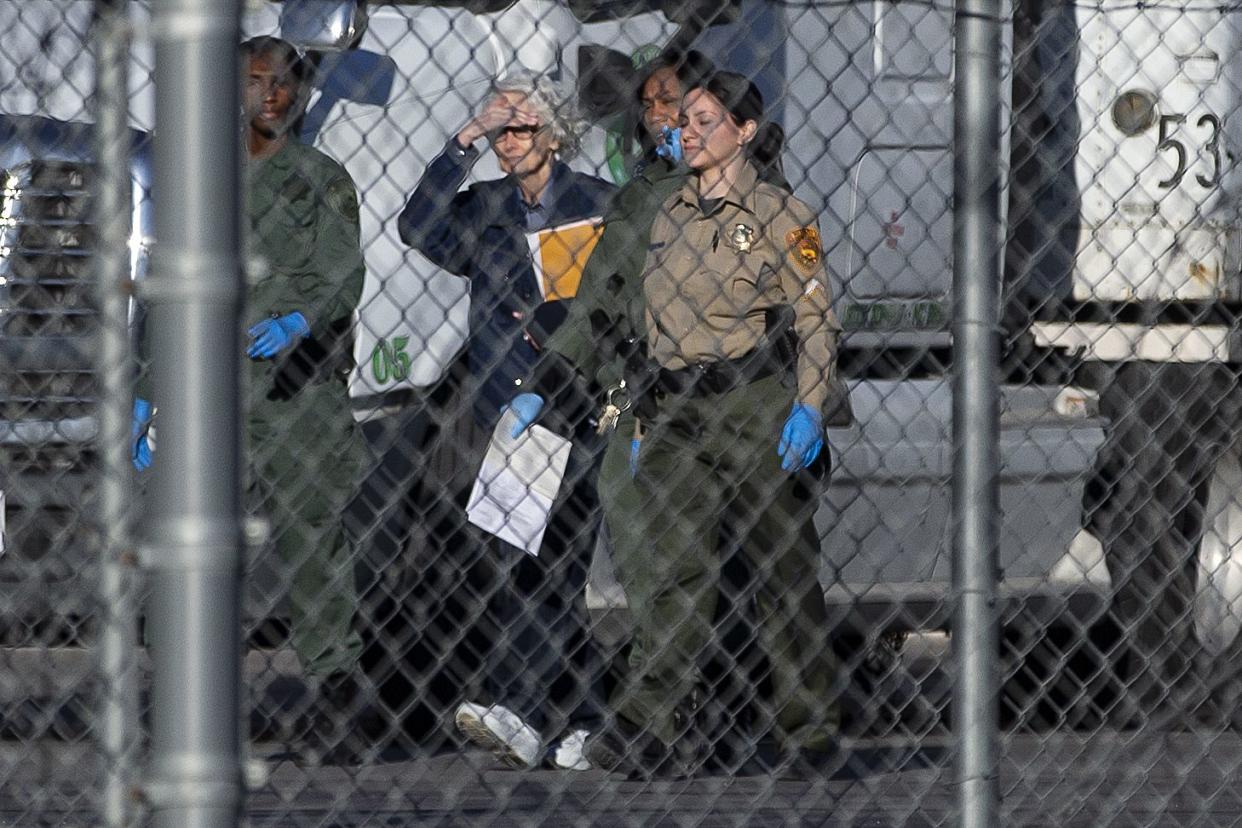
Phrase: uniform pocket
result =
(747, 279)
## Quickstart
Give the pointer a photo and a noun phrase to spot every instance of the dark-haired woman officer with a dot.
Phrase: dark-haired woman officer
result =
(734, 275)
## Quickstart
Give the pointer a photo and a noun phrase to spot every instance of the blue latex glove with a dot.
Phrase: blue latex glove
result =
(272, 336)
(140, 447)
(671, 146)
(527, 408)
(635, 445)
(802, 438)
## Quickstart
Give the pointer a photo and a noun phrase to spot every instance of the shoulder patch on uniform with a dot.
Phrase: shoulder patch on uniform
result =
(341, 198)
(804, 248)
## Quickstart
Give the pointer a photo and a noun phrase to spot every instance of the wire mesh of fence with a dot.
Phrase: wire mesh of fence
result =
(597, 384)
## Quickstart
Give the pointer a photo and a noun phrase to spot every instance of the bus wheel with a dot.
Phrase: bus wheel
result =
(1171, 548)
(1218, 562)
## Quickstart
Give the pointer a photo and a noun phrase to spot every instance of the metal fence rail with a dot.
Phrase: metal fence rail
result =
(118, 737)
(264, 557)
(193, 530)
(976, 435)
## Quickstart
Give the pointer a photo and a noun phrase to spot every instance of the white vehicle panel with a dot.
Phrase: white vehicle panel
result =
(48, 65)
(906, 253)
(1159, 208)
(412, 314)
(884, 170)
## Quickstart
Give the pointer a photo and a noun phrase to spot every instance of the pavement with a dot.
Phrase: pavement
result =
(1060, 778)
(1106, 778)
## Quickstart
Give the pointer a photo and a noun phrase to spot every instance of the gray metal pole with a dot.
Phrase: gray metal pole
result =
(194, 542)
(976, 280)
(118, 705)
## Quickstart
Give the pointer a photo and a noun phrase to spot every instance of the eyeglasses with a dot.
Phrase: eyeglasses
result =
(521, 133)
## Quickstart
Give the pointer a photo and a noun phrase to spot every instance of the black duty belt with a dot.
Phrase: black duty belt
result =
(708, 379)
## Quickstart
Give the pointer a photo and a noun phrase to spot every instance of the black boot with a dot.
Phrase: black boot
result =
(622, 747)
(333, 736)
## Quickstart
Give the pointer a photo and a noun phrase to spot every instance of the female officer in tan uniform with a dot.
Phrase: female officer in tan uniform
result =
(734, 271)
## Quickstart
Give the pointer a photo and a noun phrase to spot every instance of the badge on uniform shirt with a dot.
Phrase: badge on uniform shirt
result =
(803, 244)
(742, 238)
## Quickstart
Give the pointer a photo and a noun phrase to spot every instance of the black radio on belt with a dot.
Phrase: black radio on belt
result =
(781, 337)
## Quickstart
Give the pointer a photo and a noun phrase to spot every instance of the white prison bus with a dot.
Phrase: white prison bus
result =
(1158, 93)
(864, 91)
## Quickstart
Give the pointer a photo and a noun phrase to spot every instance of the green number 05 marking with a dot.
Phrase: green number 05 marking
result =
(390, 362)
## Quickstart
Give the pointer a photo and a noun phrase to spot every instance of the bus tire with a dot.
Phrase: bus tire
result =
(1169, 426)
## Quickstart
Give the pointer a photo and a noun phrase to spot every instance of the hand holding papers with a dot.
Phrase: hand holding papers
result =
(518, 482)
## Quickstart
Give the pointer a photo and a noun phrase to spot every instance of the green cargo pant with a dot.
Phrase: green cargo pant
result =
(708, 463)
(623, 503)
(304, 462)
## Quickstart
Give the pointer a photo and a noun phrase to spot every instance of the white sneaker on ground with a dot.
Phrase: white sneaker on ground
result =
(501, 731)
(570, 752)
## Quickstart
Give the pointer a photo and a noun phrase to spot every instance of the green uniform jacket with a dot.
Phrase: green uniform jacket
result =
(303, 254)
(304, 452)
(611, 280)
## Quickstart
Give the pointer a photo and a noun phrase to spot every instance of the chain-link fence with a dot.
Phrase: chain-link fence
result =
(542, 313)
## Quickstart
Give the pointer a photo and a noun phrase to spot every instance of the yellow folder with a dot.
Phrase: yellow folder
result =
(560, 253)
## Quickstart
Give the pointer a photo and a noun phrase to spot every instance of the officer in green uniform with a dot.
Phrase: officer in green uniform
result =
(737, 432)
(610, 294)
(305, 277)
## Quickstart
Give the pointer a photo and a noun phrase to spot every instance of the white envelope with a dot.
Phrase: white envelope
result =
(517, 484)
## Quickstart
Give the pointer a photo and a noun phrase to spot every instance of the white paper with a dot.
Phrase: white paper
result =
(517, 484)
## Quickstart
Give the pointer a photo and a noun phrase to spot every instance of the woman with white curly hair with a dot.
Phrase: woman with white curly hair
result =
(480, 233)
(549, 103)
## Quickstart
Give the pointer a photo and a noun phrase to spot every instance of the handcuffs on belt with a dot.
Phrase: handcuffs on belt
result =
(613, 411)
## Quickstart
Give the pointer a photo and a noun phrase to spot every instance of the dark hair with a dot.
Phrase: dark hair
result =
(691, 67)
(743, 101)
(285, 51)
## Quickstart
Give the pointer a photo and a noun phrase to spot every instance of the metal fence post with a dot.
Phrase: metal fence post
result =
(118, 712)
(194, 533)
(976, 237)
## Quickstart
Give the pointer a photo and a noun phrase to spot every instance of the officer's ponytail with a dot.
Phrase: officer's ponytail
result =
(743, 101)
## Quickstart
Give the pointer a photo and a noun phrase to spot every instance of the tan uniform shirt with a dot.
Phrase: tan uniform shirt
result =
(709, 279)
